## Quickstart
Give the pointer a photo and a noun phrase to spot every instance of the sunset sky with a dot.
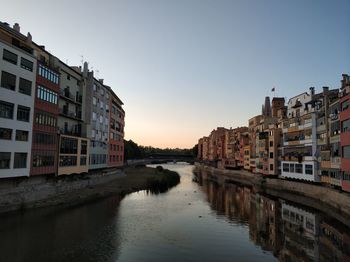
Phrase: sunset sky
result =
(184, 67)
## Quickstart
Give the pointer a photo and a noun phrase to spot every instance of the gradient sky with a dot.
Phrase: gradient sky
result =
(184, 67)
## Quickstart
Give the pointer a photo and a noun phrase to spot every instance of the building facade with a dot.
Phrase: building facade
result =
(17, 81)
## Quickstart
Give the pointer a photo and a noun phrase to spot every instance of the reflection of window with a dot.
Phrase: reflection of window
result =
(308, 169)
(299, 168)
(83, 150)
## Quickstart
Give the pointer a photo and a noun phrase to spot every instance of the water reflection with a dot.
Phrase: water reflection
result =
(85, 233)
(290, 231)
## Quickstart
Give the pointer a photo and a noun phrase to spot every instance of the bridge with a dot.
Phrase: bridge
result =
(161, 158)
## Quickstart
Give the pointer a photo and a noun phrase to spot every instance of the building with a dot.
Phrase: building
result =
(116, 131)
(299, 139)
(345, 131)
(253, 130)
(46, 110)
(18, 68)
(73, 142)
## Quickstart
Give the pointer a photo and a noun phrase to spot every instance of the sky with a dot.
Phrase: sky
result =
(184, 67)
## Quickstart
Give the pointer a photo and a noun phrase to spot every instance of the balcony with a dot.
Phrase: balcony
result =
(297, 140)
(297, 123)
(70, 97)
(72, 131)
(73, 115)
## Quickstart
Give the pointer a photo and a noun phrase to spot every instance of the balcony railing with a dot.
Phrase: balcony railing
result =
(73, 131)
(66, 112)
(78, 99)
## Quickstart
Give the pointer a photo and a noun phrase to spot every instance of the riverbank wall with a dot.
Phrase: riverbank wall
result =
(25, 193)
(315, 196)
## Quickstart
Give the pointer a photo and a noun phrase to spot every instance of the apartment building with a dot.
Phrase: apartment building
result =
(345, 131)
(45, 130)
(97, 116)
(299, 139)
(116, 131)
(73, 142)
(17, 91)
(253, 129)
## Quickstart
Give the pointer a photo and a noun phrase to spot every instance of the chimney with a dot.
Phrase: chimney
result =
(312, 91)
(16, 27)
(101, 81)
(29, 38)
(325, 89)
(85, 69)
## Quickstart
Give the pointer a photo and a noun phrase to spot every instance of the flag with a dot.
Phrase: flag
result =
(273, 89)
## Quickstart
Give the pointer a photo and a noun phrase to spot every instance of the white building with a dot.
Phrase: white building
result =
(17, 91)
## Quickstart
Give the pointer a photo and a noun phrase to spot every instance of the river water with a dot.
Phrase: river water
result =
(197, 220)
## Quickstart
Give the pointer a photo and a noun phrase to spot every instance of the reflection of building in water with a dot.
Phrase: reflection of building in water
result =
(264, 223)
(334, 243)
(301, 234)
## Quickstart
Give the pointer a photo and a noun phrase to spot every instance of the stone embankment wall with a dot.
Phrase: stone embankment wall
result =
(20, 193)
(312, 195)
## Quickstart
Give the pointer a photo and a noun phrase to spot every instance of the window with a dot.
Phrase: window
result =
(25, 86)
(101, 104)
(94, 87)
(271, 167)
(5, 133)
(94, 100)
(68, 160)
(271, 154)
(291, 167)
(6, 110)
(5, 158)
(299, 168)
(271, 143)
(345, 125)
(308, 169)
(69, 146)
(9, 57)
(48, 74)
(346, 151)
(44, 139)
(93, 116)
(345, 105)
(46, 95)
(45, 119)
(23, 113)
(43, 159)
(83, 150)
(22, 135)
(8, 80)
(83, 160)
(26, 64)
(285, 167)
(68, 77)
(20, 160)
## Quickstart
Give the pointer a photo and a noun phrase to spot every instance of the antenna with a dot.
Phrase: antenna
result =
(82, 60)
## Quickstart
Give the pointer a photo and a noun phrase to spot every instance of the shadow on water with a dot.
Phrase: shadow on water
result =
(88, 232)
(291, 231)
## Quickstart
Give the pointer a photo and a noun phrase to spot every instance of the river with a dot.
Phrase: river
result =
(197, 220)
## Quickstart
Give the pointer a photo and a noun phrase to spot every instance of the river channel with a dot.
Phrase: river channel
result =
(197, 220)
